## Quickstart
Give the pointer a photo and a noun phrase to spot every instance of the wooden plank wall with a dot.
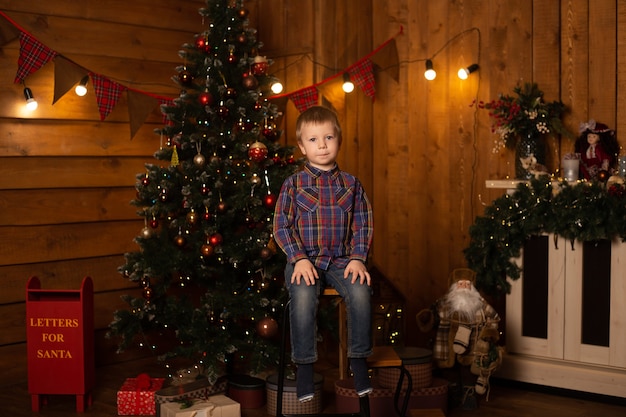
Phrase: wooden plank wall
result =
(422, 151)
(437, 150)
(66, 177)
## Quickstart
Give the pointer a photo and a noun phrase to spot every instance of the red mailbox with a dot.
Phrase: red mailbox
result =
(60, 342)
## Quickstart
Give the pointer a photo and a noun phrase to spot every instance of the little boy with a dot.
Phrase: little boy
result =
(323, 223)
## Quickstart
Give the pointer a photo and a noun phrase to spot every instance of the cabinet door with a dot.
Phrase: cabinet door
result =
(595, 303)
(535, 308)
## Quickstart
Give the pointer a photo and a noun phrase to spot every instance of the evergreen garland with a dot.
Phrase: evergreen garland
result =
(584, 211)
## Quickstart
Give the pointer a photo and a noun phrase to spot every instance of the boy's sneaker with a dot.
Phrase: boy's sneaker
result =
(362, 383)
(305, 389)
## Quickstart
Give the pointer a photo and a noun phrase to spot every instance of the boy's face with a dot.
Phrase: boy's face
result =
(319, 144)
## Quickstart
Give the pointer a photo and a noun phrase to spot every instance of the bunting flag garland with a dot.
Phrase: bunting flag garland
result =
(33, 55)
(362, 74)
(107, 94)
(387, 59)
(66, 75)
(139, 107)
(304, 98)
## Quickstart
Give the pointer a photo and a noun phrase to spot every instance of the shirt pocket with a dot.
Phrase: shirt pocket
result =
(308, 199)
(345, 199)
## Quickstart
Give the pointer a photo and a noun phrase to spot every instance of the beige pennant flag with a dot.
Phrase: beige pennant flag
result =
(387, 60)
(8, 32)
(66, 75)
(333, 92)
(140, 105)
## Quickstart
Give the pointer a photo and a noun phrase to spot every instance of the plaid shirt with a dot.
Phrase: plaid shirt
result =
(323, 216)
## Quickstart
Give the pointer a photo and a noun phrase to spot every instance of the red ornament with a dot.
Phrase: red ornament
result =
(269, 131)
(215, 239)
(205, 98)
(206, 216)
(154, 223)
(145, 180)
(257, 151)
(260, 65)
(267, 328)
(202, 43)
(249, 81)
(269, 201)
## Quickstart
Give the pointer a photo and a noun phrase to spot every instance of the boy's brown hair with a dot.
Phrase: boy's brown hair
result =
(317, 115)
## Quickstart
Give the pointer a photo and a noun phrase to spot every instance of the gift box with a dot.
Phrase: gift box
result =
(200, 389)
(291, 405)
(417, 361)
(381, 398)
(136, 396)
(214, 406)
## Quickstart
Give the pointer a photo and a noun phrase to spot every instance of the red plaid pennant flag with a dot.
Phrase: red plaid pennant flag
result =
(33, 55)
(362, 74)
(305, 98)
(107, 94)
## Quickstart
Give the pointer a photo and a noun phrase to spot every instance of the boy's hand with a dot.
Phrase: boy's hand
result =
(304, 270)
(358, 271)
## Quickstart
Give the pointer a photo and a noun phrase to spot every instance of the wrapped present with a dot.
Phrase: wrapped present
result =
(199, 389)
(136, 396)
(214, 406)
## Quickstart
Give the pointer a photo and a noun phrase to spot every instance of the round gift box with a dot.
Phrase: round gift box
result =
(247, 390)
(417, 361)
(381, 399)
(291, 405)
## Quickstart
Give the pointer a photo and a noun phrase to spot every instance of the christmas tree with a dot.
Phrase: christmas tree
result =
(209, 269)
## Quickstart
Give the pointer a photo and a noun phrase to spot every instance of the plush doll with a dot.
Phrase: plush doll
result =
(466, 327)
(531, 165)
(598, 150)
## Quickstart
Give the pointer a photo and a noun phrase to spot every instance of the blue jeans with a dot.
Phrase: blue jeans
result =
(303, 314)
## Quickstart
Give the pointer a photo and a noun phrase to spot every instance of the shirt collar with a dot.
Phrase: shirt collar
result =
(316, 172)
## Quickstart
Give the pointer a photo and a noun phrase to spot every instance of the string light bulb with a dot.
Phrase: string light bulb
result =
(31, 103)
(81, 88)
(465, 72)
(348, 85)
(430, 73)
(276, 87)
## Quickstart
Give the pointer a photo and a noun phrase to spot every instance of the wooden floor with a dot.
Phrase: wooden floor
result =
(505, 400)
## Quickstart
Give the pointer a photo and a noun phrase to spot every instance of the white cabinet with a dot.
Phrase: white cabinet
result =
(566, 316)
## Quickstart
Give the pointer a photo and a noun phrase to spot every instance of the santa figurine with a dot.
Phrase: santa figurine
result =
(466, 329)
